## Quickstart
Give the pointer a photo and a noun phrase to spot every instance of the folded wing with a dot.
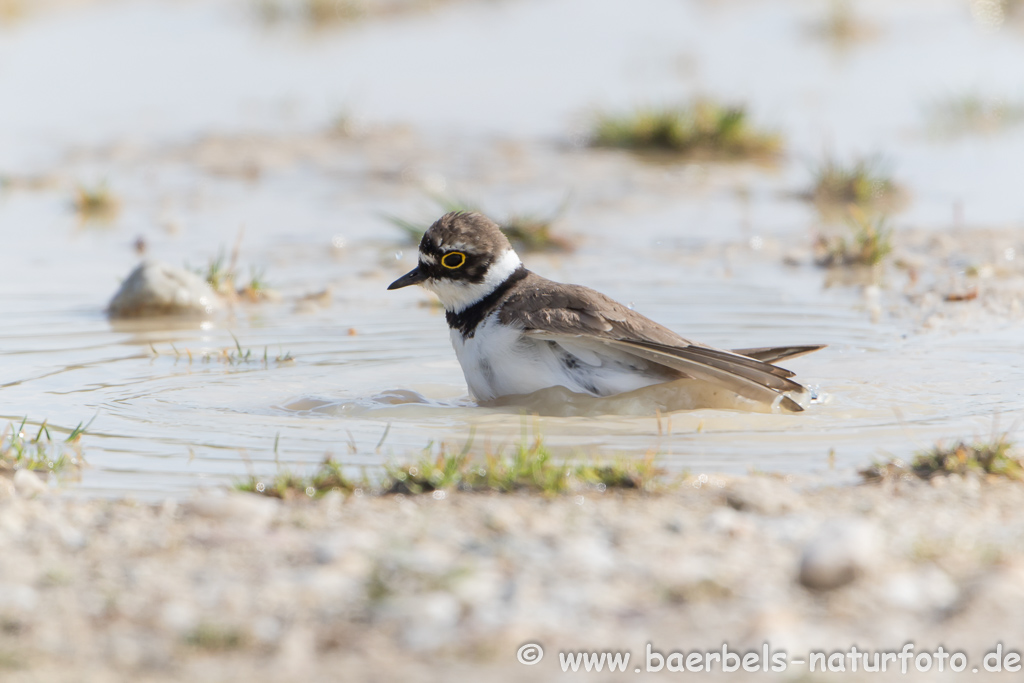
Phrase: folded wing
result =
(571, 312)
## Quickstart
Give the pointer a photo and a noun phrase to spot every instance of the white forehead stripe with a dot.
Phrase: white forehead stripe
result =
(458, 296)
(428, 258)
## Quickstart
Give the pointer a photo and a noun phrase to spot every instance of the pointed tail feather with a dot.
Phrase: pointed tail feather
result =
(739, 359)
(773, 354)
(764, 374)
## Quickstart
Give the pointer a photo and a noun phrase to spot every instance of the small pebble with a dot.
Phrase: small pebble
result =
(841, 552)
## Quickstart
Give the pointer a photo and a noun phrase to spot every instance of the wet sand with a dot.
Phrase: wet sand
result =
(296, 142)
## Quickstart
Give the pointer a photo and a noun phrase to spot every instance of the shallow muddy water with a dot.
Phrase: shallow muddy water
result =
(205, 122)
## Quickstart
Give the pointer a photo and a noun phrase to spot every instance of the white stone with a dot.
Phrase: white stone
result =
(926, 588)
(838, 554)
(15, 597)
(27, 483)
(155, 288)
(761, 495)
(266, 630)
(179, 617)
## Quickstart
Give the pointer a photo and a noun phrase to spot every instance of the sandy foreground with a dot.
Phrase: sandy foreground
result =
(238, 587)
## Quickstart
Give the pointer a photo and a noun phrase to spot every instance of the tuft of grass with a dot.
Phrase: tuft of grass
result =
(704, 128)
(95, 202)
(526, 232)
(862, 182)
(530, 467)
(216, 638)
(532, 232)
(842, 26)
(219, 275)
(973, 113)
(621, 473)
(314, 13)
(868, 242)
(256, 288)
(223, 277)
(231, 356)
(288, 485)
(42, 453)
(994, 458)
(321, 12)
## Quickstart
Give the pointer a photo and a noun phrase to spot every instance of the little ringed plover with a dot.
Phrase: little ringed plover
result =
(515, 332)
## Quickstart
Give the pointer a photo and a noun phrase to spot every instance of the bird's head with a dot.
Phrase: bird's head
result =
(463, 257)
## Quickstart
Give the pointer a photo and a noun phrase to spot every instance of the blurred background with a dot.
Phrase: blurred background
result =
(747, 172)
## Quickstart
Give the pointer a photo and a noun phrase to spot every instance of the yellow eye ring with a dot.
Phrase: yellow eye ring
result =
(448, 260)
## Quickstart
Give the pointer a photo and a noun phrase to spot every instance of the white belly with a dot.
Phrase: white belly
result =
(501, 361)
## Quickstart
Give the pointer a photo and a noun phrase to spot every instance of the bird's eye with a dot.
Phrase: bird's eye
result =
(453, 260)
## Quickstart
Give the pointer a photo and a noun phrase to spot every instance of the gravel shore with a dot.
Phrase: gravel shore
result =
(243, 588)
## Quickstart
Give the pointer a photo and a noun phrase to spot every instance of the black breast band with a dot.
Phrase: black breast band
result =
(466, 320)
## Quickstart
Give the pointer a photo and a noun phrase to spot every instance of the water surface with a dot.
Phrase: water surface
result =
(207, 122)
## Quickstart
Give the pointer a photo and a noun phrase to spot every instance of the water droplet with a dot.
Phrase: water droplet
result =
(398, 255)
(439, 495)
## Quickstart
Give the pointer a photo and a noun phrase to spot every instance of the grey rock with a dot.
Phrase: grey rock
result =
(838, 554)
(324, 553)
(155, 288)
(761, 495)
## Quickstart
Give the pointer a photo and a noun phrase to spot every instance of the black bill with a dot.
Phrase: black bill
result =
(413, 277)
